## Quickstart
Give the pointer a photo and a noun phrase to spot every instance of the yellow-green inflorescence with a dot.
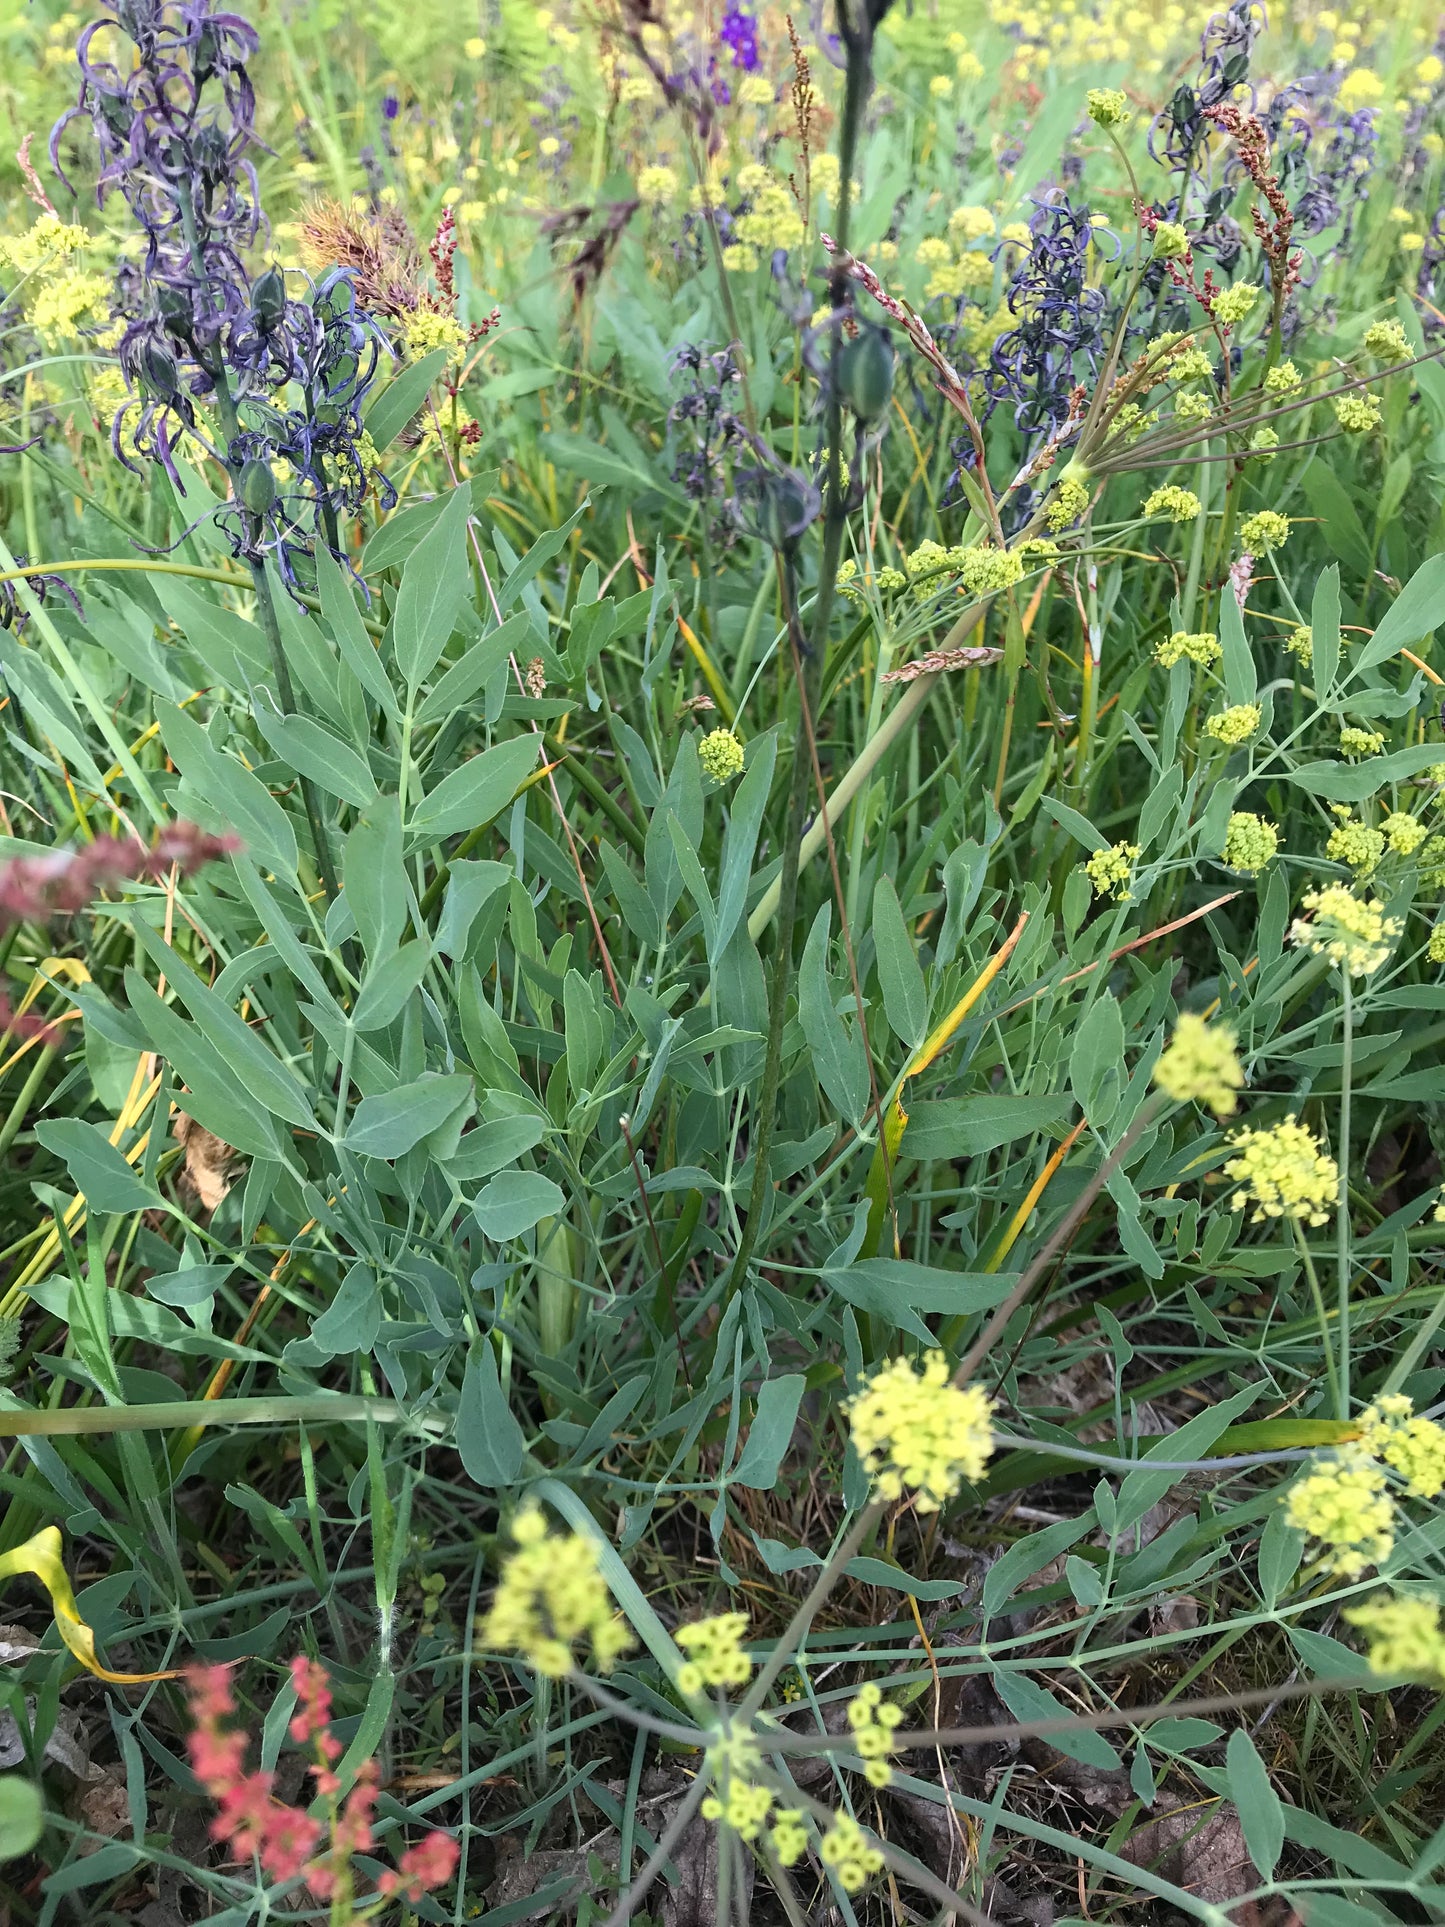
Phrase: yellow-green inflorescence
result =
(1413, 1447)
(550, 1596)
(1250, 842)
(1070, 499)
(1360, 845)
(1404, 833)
(1234, 725)
(1284, 1172)
(1300, 642)
(721, 755)
(1264, 530)
(916, 1432)
(1387, 341)
(1200, 1065)
(1107, 106)
(1404, 1635)
(1358, 413)
(1355, 741)
(1344, 1499)
(1184, 645)
(1342, 1502)
(846, 1850)
(1233, 304)
(1110, 870)
(1175, 504)
(1354, 932)
(873, 1720)
(716, 1653)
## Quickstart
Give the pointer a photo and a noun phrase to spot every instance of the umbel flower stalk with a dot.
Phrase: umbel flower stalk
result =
(269, 385)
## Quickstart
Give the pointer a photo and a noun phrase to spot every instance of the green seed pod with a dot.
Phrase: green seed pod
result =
(174, 307)
(268, 300)
(787, 504)
(865, 374)
(258, 487)
(158, 371)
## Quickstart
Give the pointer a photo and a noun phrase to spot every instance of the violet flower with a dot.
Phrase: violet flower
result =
(285, 377)
(739, 33)
(1061, 328)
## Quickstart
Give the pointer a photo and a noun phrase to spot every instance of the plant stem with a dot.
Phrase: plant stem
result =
(1331, 1370)
(310, 797)
(1342, 1213)
(808, 658)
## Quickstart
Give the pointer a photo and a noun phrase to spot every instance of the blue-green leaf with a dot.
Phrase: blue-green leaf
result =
(770, 1432)
(390, 1123)
(96, 1167)
(471, 795)
(434, 585)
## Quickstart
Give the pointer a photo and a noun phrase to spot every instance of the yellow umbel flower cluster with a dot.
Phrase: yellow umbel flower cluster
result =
(1107, 106)
(846, 1850)
(1110, 870)
(873, 1719)
(914, 1431)
(1342, 1502)
(550, 1595)
(1284, 1173)
(656, 185)
(1355, 741)
(976, 571)
(1353, 932)
(49, 240)
(773, 219)
(788, 1835)
(1300, 642)
(1200, 1065)
(1071, 498)
(424, 330)
(65, 302)
(1175, 504)
(1358, 413)
(1404, 833)
(1405, 1636)
(717, 1653)
(1249, 842)
(1232, 306)
(1265, 530)
(1184, 645)
(1234, 725)
(1358, 844)
(742, 1805)
(721, 755)
(1386, 341)
(742, 1801)
(1413, 1447)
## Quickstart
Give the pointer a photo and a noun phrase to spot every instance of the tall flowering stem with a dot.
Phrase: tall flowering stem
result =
(857, 21)
(261, 381)
(290, 1842)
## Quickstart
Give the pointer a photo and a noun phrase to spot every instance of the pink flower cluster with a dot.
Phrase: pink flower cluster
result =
(33, 889)
(288, 1840)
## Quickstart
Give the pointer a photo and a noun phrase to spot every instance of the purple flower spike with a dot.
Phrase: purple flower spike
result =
(739, 31)
(174, 125)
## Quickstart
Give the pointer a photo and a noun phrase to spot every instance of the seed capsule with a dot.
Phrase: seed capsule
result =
(268, 300)
(258, 487)
(865, 374)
